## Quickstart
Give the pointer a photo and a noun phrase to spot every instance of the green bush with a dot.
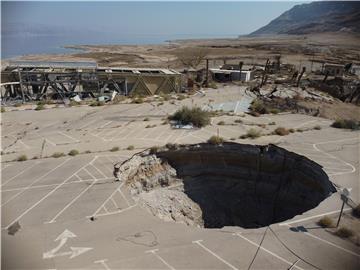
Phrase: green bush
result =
(221, 123)
(114, 149)
(130, 147)
(22, 158)
(325, 222)
(57, 155)
(346, 124)
(73, 152)
(40, 107)
(281, 131)
(195, 116)
(3, 109)
(216, 140)
(344, 232)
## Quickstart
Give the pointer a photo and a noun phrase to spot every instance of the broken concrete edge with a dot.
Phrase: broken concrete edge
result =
(212, 186)
(197, 145)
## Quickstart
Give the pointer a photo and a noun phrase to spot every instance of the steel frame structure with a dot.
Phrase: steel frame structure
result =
(59, 80)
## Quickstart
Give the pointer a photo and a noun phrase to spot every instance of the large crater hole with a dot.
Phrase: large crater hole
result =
(232, 184)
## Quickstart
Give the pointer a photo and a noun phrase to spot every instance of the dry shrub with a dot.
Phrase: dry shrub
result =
(281, 131)
(344, 232)
(325, 222)
(216, 140)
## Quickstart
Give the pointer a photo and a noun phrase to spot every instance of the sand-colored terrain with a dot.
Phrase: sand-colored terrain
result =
(297, 50)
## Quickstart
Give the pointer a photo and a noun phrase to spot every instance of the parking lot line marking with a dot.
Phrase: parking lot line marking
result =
(46, 174)
(71, 138)
(153, 251)
(181, 135)
(78, 177)
(122, 195)
(3, 167)
(24, 144)
(341, 140)
(103, 263)
(353, 169)
(88, 124)
(311, 217)
(237, 104)
(113, 201)
(7, 181)
(103, 204)
(52, 185)
(112, 161)
(105, 124)
(71, 202)
(106, 167)
(107, 133)
(198, 242)
(329, 243)
(268, 251)
(98, 170)
(44, 197)
(93, 177)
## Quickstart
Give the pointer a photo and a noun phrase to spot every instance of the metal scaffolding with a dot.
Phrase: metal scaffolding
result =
(35, 80)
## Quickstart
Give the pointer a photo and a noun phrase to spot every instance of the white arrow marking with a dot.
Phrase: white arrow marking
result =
(76, 251)
(103, 263)
(63, 237)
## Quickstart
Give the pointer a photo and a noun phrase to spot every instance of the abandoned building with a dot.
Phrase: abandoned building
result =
(36, 80)
(334, 70)
(226, 75)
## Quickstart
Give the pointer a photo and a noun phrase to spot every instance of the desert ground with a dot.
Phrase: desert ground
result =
(301, 50)
(68, 212)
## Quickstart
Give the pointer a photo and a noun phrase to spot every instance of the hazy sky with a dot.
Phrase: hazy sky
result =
(148, 18)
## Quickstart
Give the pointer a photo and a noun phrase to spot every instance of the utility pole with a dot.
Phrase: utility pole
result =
(207, 73)
(345, 193)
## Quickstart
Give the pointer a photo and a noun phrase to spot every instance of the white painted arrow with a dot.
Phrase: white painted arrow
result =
(76, 251)
(63, 237)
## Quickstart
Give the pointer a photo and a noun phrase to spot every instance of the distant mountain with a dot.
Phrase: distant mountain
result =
(315, 17)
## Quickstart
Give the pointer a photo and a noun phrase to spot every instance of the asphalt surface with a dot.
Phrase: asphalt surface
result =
(69, 213)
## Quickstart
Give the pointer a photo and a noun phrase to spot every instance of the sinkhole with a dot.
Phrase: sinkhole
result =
(232, 184)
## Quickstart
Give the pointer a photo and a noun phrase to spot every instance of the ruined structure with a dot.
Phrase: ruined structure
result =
(36, 80)
(232, 184)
